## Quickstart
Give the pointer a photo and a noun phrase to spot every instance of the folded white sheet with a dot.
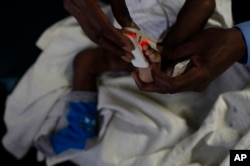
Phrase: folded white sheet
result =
(140, 129)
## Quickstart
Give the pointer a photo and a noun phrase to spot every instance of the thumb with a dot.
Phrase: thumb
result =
(184, 51)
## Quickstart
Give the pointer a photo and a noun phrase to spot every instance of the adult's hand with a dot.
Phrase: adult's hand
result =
(211, 52)
(97, 26)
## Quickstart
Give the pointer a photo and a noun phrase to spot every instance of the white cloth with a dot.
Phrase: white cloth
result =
(154, 16)
(139, 128)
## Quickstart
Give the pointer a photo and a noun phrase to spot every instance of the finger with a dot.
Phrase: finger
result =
(103, 26)
(104, 29)
(100, 30)
(195, 77)
(190, 82)
(184, 49)
(114, 49)
(180, 52)
(151, 54)
(117, 36)
(128, 58)
(159, 47)
(147, 87)
(161, 78)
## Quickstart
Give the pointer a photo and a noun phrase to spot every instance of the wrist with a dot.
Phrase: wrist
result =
(244, 29)
(239, 45)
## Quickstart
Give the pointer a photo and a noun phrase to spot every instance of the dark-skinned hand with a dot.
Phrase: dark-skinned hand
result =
(98, 27)
(211, 52)
(187, 24)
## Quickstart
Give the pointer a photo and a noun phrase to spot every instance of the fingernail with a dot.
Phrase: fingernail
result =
(125, 59)
(125, 48)
(160, 48)
(148, 53)
(145, 47)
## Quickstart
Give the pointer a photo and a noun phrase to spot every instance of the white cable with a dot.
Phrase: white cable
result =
(166, 17)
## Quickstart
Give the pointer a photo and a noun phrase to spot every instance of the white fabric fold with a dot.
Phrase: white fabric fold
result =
(138, 128)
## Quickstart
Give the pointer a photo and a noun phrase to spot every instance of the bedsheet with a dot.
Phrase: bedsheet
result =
(139, 128)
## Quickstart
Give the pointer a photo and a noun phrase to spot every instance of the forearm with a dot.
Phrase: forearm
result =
(191, 19)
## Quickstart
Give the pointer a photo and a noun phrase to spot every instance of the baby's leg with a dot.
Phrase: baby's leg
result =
(90, 63)
(81, 130)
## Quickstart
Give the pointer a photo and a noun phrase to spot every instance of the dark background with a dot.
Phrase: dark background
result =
(21, 23)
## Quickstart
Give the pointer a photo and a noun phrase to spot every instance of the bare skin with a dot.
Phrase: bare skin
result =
(98, 27)
(209, 57)
(211, 52)
(90, 63)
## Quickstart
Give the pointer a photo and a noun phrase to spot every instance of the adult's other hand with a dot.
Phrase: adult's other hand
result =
(211, 52)
(98, 27)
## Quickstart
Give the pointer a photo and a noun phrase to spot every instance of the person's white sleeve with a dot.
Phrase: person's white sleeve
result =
(245, 29)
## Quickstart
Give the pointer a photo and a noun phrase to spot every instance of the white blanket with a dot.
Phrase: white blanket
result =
(139, 129)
